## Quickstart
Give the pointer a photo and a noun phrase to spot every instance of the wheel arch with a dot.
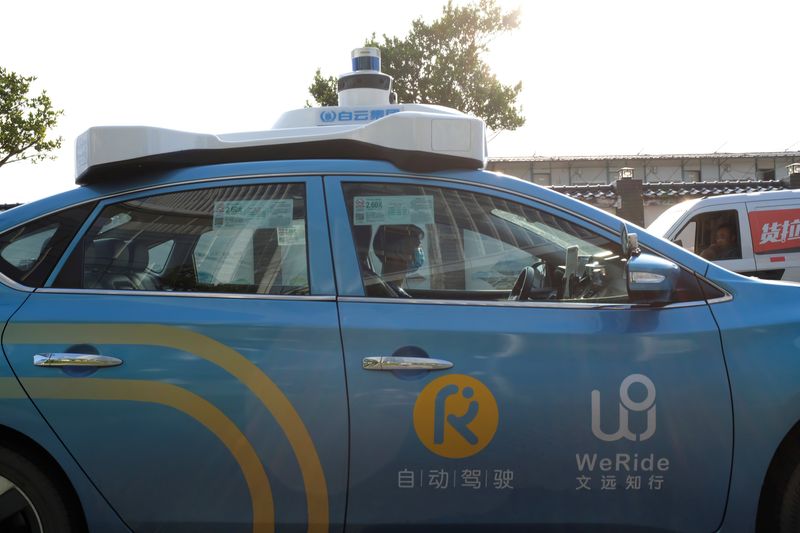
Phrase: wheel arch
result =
(24, 445)
(786, 455)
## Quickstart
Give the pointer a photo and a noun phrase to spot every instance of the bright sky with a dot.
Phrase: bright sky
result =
(599, 77)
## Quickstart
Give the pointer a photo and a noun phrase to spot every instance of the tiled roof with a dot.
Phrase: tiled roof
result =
(707, 188)
(587, 193)
(668, 190)
(650, 157)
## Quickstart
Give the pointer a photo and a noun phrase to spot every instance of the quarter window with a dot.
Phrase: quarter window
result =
(246, 239)
(28, 253)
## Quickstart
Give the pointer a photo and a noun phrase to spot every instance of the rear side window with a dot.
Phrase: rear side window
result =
(28, 253)
(242, 239)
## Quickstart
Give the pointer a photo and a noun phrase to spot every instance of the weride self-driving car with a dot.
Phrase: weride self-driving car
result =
(344, 324)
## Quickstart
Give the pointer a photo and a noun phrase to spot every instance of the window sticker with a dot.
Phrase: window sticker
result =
(293, 234)
(369, 210)
(253, 214)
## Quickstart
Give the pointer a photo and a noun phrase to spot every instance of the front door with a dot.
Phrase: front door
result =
(564, 406)
(223, 407)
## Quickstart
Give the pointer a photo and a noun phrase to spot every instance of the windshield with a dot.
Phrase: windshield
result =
(661, 225)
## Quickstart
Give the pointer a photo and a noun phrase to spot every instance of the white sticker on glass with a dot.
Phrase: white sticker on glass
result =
(369, 210)
(253, 214)
(291, 235)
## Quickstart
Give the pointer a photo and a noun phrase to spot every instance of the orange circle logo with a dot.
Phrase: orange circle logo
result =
(455, 416)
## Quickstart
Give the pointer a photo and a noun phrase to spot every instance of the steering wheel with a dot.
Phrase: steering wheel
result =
(523, 285)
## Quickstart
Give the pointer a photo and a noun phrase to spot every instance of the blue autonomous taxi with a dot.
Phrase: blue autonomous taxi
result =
(345, 324)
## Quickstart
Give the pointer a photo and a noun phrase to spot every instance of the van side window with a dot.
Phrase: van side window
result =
(716, 236)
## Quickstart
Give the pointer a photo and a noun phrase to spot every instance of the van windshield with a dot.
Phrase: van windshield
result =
(661, 225)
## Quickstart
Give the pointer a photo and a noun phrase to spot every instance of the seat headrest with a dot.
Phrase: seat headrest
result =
(396, 242)
(107, 252)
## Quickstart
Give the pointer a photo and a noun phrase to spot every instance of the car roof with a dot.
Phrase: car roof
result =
(340, 167)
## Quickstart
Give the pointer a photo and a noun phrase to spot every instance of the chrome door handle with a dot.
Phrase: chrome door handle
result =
(404, 363)
(75, 359)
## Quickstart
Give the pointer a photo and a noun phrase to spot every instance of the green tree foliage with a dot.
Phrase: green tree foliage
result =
(440, 63)
(25, 121)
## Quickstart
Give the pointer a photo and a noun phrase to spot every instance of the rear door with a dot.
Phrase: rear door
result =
(569, 409)
(187, 352)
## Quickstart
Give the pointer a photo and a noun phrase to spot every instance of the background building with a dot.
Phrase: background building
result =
(665, 179)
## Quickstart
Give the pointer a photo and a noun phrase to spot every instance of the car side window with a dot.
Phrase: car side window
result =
(29, 253)
(243, 239)
(441, 243)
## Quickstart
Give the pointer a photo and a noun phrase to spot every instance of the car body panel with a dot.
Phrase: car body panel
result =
(700, 416)
(542, 363)
(762, 350)
(18, 416)
(205, 381)
(214, 380)
(543, 387)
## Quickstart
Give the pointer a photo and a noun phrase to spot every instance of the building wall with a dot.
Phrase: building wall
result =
(588, 171)
(584, 171)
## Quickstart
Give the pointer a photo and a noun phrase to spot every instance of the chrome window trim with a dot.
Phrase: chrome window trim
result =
(495, 303)
(11, 284)
(722, 299)
(226, 295)
(726, 296)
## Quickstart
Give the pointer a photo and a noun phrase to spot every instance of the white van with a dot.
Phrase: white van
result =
(765, 227)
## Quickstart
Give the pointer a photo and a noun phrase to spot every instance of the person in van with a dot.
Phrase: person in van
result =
(725, 245)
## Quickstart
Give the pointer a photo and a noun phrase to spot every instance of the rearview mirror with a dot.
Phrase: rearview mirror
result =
(651, 279)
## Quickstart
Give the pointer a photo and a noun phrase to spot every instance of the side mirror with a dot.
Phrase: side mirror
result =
(629, 242)
(623, 241)
(651, 279)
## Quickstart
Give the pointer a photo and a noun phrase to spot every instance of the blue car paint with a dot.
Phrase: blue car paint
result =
(18, 414)
(150, 486)
(749, 339)
(527, 361)
(542, 383)
(266, 332)
(762, 351)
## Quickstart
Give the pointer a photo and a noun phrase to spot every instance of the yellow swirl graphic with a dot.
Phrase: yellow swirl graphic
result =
(214, 352)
